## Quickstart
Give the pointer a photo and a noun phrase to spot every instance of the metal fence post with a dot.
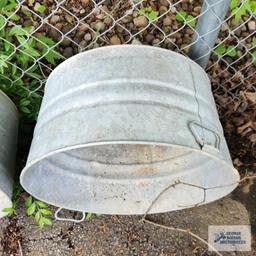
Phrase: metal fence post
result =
(212, 15)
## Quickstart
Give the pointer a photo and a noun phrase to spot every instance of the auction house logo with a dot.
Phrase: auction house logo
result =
(230, 238)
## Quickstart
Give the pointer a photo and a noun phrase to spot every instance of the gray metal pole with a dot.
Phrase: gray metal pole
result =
(208, 26)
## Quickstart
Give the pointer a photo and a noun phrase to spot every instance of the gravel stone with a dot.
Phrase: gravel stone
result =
(54, 19)
(85, 3)
(252, 26)
(167, 21)
(54, 34)
(87, 37)
(68, 52)
(140, 21)
(149, 38)
(136, 42)
(99, 26)
(115, 40)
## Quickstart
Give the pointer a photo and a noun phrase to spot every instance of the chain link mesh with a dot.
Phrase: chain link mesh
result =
(37, 35)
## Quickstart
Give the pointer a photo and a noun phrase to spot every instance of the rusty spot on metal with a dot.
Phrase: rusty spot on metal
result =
(145, 171)
(143, 184)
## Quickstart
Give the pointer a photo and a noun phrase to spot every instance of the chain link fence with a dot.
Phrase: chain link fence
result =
(220, 35)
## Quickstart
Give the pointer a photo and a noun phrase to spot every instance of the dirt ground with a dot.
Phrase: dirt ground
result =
(127, 235)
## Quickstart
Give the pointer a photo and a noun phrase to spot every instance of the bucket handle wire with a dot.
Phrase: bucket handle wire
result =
(192, 126)
(56, 215)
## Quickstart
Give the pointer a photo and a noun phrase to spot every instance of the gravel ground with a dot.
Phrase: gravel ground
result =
(126, 235)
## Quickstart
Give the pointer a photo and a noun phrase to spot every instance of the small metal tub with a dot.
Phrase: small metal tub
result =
(119, 126)
(8, 140)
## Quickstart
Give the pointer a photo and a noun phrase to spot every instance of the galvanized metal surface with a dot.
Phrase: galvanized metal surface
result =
(8, 140)
(209, 23)
(119, 125)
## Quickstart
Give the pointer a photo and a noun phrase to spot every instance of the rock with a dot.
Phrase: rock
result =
(136, 42)
(54, 34)
(59, 26)
(54, 19)
(87, 37)
(235, 23)
(127, 19)
(68, 52)
(149, 38)
(167, 21)
(162, 9)
(85, 3)
(83, 44)
(108, 21)
(252, 25)
(197, 9)
(164, 3)
(83, 27)
(67, 28)
(140, 21)
(156, 41)
(115, 40)
(66, 42)
(99, 26)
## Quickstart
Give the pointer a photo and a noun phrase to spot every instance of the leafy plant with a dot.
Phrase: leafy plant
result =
(39, 8)
(39, 210)
(229, 51)
(254, 52)
(149, 12)
(240, 9)
(178, 238)
(16, 192)
(20, 72)
(183, 16)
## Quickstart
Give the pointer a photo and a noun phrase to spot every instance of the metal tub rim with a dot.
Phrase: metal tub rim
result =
(127, 46)
(228, 168)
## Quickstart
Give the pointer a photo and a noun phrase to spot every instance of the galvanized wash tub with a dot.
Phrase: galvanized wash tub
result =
(8, 140)
(119, 126)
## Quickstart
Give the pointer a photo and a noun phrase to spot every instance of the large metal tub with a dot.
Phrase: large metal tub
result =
(119, 125)
(8, 140)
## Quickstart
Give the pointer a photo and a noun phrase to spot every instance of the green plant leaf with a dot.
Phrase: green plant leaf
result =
(88, 216)
(181, 16)
(3, 3)
(10, 211)
(41, 223)
(46, 212)
(18, 31)
(254, 58)
(42, 204)
(149, 12)
(29, 201)
(25, 110)
(191, 21)
(46, 221)
(37, 216)
(220, 50)
(233, 4)
(254, 42)
(24, 102)
(231, 51)
(32, 52)
(39, 8)
(31, 209)
(2, 22)
(178, 238)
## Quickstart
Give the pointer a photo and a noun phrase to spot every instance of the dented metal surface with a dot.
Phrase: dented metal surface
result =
(118, 125)
(8, 140)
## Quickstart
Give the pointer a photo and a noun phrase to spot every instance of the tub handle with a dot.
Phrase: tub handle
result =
(192, 126)
(56, 215)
